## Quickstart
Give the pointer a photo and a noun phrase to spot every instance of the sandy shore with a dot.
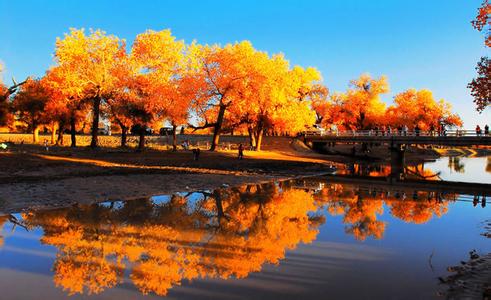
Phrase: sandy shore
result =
(31, 177)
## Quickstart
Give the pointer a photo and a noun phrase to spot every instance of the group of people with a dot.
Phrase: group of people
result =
(388, 131)
(404, 131)
(475, 201)
(479, 130)
(416, 131)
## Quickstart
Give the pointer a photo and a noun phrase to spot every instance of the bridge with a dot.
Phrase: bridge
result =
(398, 141)
(451, 138)
(407, 185)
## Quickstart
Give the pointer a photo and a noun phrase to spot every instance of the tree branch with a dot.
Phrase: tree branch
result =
(13, 88)
(206, 125)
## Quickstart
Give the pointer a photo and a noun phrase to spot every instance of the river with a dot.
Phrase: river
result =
(296, 239)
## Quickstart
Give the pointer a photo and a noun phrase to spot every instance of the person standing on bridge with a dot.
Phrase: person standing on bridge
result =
(404, 129)
(334, 128)
(486, 130)
(441, 132)
(478, 130)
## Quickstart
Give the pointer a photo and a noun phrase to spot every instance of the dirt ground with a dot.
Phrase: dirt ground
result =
(33, 177)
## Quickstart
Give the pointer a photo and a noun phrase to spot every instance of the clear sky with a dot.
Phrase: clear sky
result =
(416, 43)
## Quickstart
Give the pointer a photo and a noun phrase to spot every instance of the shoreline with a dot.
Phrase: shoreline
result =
(33, 178)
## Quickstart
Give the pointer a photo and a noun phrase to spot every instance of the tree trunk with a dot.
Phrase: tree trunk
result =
(59, 141)
(73, 131)
(252, 137)
(53, 133)
(174, 138)
(35, 133)
(218, 127)
(124, 131)
(141, 142)
(361, 124)
(96, 105)
(259, 138)
(218, 202)
(61, 128)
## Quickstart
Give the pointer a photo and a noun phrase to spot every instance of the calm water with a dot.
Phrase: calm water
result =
(294, 239)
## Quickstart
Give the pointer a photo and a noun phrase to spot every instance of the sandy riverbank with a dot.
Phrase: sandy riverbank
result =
(31, 177)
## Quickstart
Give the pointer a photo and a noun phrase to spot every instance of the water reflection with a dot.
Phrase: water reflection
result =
(377, 170)
(361, 206)
(455, 164)
(453, 168)
(158, 243)
(223, 234)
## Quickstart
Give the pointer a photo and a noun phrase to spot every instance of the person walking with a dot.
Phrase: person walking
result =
(486, 130)
(478, 130)
(241, 151)
(196, 152)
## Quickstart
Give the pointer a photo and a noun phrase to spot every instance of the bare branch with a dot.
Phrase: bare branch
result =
(206, 125)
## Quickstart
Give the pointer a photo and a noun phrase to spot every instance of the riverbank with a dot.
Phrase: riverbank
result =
(33, 177)
(471, 279)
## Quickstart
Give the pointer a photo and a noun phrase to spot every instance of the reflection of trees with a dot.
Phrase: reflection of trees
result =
(224, 233)
(11, 219)
(419, 172)
(358, 169)
(3, 220)
(455, 164)
(418, 212)
(361, 207)
(360, 211)
(411, 172)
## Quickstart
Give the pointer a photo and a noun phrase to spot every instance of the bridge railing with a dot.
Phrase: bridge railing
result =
(393, 132)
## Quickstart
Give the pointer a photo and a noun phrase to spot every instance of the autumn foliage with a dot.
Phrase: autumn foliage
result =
(361, 108)
(362, 209)
(233, 88)
(225, 234)
(482, 22)
(481, 85)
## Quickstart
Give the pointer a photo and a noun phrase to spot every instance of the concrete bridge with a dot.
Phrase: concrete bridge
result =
(398, 142)
(451, 138)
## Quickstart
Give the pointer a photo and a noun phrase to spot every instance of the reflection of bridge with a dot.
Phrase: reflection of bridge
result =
(397, 143)
(445, 187)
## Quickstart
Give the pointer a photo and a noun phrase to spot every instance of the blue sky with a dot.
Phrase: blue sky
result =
(417, 43)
